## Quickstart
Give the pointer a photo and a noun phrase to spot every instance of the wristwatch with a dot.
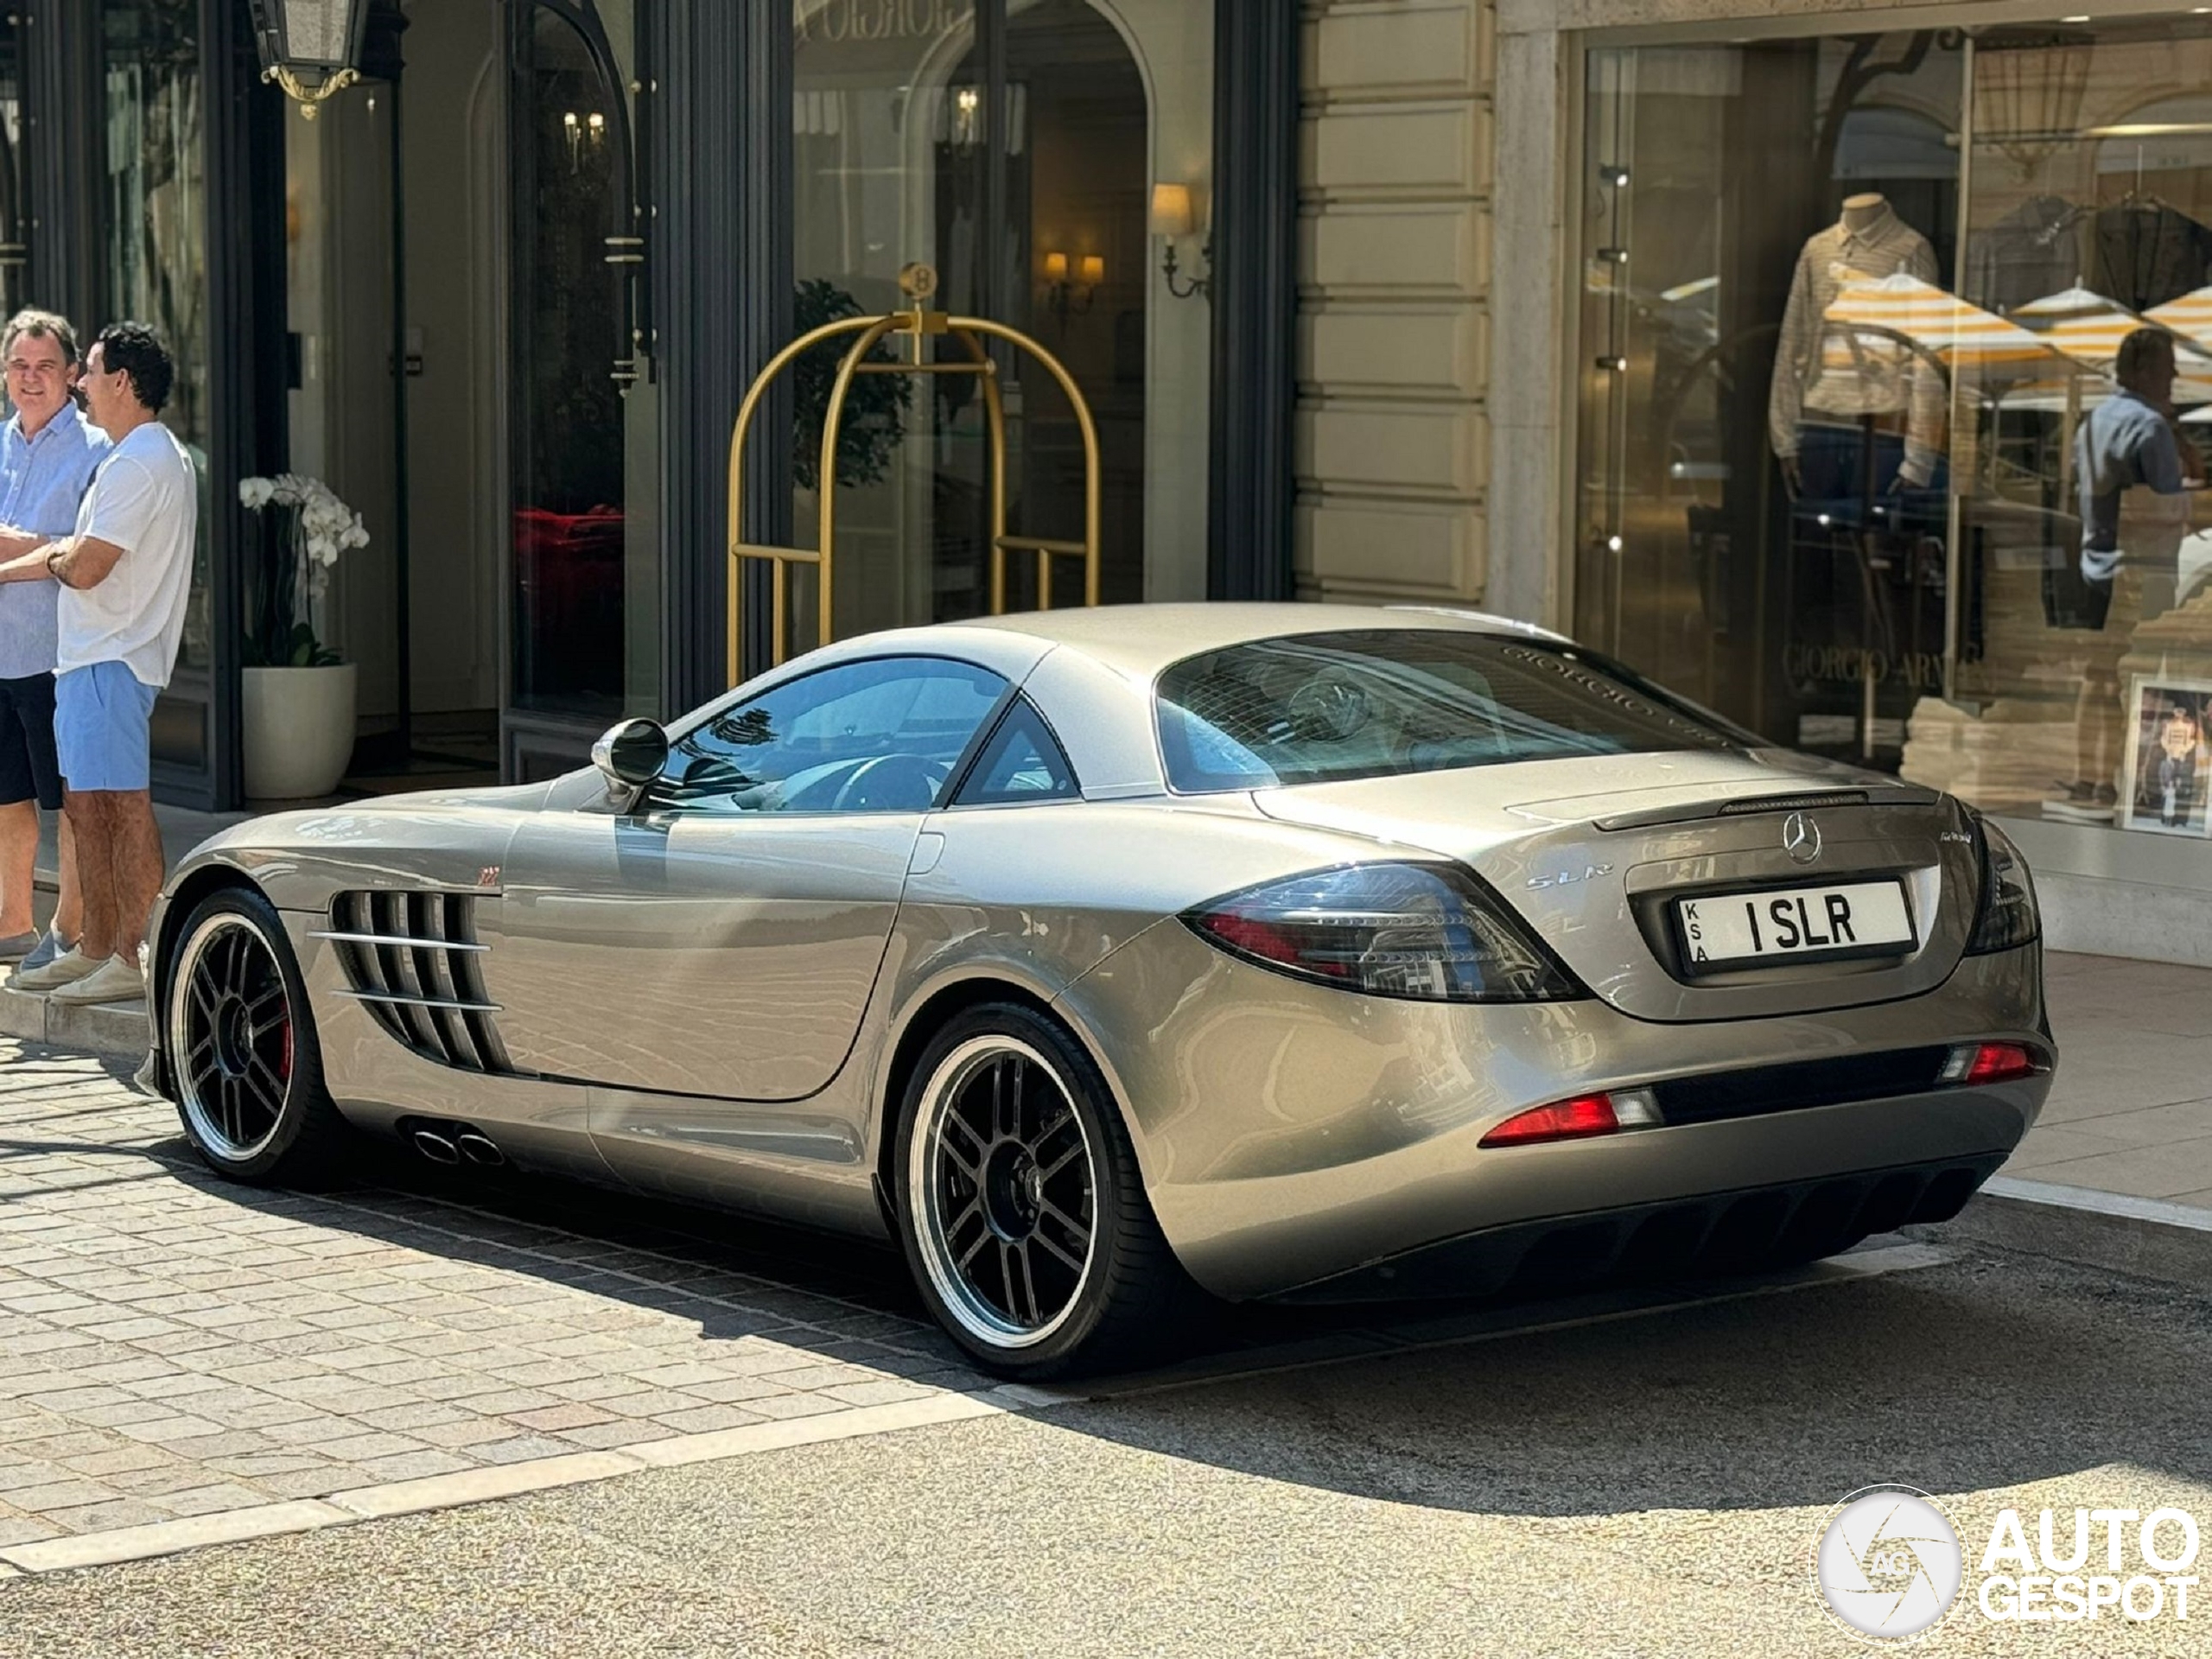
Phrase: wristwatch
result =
(53, 553)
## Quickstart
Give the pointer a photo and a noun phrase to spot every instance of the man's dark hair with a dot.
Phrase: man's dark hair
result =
(2141, 349)
(40, 325)
(136, 350)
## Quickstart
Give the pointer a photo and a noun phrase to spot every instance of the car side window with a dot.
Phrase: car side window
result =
(1022, 762)
(879, 735)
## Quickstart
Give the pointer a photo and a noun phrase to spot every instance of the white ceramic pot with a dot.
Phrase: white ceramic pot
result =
(299, 730)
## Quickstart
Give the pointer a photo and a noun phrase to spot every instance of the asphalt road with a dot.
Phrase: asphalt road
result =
(1647, 1484)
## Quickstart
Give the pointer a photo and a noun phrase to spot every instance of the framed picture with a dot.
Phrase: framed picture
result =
(2168, 775)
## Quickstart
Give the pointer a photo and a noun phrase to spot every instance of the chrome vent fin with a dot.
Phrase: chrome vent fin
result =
(413, 960)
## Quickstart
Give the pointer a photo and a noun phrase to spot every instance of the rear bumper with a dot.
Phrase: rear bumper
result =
(1295, 1139)
(1799, 1219)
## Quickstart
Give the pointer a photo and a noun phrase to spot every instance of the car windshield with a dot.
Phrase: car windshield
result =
(1319, 708)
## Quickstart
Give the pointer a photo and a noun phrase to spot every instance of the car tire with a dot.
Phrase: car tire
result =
(246, 1069)
(1021, 1208)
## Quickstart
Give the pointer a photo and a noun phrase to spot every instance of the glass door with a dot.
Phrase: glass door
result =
(892, 157)
(1012, 146)
(584, 603)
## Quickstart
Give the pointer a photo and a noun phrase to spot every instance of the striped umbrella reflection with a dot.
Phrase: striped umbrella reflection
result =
(1958, 333)
(2088, 328)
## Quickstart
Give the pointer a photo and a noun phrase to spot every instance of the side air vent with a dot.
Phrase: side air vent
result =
(412, 958)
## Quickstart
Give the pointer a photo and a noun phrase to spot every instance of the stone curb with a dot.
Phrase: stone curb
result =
(114, 1030)
(2143, 1237)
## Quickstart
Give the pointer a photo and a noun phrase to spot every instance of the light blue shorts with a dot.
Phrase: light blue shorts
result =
(101, 716)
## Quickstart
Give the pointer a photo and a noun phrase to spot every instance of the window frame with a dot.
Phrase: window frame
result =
(652, 799)
(973, 762)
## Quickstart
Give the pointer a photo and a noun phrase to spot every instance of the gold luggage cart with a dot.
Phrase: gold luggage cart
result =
(916, 326)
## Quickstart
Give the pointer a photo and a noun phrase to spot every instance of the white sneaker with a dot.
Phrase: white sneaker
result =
(116, 980)
(71, 965)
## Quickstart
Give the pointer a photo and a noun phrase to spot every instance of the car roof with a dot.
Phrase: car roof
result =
(1140, 641)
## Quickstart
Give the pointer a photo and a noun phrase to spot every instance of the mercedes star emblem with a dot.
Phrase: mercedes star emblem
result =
(1801, 838)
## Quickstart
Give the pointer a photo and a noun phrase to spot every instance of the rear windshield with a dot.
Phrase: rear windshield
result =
(1317, 708)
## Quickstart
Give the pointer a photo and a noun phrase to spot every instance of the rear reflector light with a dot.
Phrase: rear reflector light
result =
(1577, 1119)
(1973, 1063)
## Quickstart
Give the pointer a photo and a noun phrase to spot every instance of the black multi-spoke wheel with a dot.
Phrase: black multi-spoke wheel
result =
(1021, 1207)
(242, 1059)
(1004, 1173)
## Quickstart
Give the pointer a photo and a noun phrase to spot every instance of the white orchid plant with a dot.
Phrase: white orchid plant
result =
(280, 632)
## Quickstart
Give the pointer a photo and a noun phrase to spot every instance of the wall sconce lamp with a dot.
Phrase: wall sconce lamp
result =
(1173, 219)
(1073, 298)
(581, 130)
(311, 48)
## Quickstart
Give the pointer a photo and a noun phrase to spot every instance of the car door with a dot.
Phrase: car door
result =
(721, 939)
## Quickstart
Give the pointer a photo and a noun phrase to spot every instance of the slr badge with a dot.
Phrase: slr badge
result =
(1801, 838)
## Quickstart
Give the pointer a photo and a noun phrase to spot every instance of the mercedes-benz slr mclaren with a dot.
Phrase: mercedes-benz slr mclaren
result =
(1108, 959)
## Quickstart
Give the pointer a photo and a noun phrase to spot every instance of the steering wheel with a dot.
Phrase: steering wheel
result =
(889, 783)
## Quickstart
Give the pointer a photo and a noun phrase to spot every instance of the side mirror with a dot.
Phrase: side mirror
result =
(631, 753)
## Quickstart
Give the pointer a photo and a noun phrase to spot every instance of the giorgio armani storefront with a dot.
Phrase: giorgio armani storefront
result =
(1843, 291)
(504, 294)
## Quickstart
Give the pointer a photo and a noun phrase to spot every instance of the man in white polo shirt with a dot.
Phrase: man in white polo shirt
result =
(124, 574)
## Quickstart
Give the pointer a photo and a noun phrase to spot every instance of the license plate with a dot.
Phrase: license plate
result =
(1859, 918)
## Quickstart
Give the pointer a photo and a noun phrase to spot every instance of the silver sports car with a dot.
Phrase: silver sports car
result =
(1106, 958)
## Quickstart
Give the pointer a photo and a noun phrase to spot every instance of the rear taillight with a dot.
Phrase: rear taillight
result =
(2007, 917)
(1973, 1063)
(1430, 931)
(1577, 1119)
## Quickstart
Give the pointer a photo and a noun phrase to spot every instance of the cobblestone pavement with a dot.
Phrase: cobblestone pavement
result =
(172, 1346)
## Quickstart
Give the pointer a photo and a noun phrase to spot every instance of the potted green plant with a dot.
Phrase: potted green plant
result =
(299, 694)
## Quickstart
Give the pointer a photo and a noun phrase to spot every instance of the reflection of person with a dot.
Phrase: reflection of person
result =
(2130, 468)
(126, 576)
(1827, 380)
(2168, 785)
(47, 456)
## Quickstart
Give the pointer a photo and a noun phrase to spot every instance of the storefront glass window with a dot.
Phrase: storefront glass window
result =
(1856, 315)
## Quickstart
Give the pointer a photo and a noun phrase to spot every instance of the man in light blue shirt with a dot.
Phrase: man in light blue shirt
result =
(48, 453)
(2132, 470)
(2128, 441)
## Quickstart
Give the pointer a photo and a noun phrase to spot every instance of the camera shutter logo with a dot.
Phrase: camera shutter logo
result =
(1888, 1562)
(1801, 838)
